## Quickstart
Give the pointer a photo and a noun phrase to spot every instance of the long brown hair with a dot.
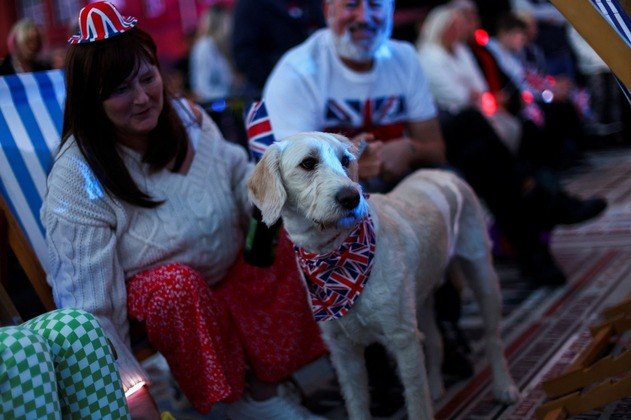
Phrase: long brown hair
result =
(93, 72)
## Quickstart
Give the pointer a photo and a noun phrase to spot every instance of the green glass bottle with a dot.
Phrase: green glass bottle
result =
(260, 243)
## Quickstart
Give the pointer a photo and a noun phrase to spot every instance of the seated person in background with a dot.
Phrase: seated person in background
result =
(551, 36)
(556, 100)
(264, 30)
(145, 216)
(56, 365)
(211, 73)
(455, 61)
(454, 76)
(544, 144)
(24, 44)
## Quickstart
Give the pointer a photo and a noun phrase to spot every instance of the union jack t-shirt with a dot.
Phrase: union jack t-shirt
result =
(382, 116)
(312, 90)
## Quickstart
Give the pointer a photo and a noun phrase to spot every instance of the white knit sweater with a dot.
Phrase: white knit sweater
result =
(96, 242)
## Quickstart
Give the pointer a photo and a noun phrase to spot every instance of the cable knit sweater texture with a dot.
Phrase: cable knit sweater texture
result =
(97, 241)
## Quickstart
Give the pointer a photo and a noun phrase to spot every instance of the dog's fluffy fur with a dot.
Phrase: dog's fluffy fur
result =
(430, 223)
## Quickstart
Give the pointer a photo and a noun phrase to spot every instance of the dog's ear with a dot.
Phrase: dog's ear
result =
(266, 186)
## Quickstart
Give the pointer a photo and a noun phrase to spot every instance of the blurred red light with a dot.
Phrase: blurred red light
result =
(488, 103)
(481, 37)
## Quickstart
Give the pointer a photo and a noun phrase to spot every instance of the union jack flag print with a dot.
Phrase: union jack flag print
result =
(374, 111)
(336, 279)
(259, 129)
(99, 21)
(382, 116)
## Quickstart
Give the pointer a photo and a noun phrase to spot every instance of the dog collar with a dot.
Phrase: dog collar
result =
(336, 279)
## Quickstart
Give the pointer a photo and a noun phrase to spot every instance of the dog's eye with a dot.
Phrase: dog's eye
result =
(308, 164)
(345, 161)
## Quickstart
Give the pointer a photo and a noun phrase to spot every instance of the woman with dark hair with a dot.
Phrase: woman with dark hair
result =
(145, 216)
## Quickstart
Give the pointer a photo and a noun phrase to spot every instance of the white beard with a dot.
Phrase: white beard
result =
(361, 51)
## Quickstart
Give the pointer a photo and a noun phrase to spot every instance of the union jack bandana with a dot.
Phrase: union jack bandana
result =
(99, 21)
(336, 279)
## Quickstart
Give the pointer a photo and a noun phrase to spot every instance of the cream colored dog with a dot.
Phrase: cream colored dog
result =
(431, 222)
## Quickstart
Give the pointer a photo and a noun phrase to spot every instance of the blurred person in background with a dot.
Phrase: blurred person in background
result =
(455, 79)
(557, 105)
(545, 105)
(551, 35)
(265, 29)
(211, 71)
(25, 43)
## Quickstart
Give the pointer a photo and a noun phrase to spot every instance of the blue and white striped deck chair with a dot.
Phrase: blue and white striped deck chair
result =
(618, 18)
(606, 26)
(31, 112)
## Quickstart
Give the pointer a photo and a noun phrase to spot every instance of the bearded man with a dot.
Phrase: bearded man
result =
(351, 78)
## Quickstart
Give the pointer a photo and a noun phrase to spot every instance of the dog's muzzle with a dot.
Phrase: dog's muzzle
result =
(350, 209)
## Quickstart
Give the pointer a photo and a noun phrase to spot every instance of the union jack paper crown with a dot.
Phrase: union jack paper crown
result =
(99, 21)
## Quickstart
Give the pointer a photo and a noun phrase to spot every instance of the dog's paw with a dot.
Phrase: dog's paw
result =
(506, 394)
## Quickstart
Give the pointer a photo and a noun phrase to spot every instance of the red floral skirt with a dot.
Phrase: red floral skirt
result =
(256, 317)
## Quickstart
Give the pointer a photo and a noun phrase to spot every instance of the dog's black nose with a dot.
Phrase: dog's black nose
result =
(348, 197)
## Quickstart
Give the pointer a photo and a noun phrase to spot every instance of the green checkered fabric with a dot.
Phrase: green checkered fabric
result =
(28, 388)
(59, 365)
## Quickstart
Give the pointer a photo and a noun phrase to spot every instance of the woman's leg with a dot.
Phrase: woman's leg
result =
(28, 387)
(193, 330)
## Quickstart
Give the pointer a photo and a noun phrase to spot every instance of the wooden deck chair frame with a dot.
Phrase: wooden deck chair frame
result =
(605, 26)
(11, 236)
(597, 377)
(8, 313)
(31, 105)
